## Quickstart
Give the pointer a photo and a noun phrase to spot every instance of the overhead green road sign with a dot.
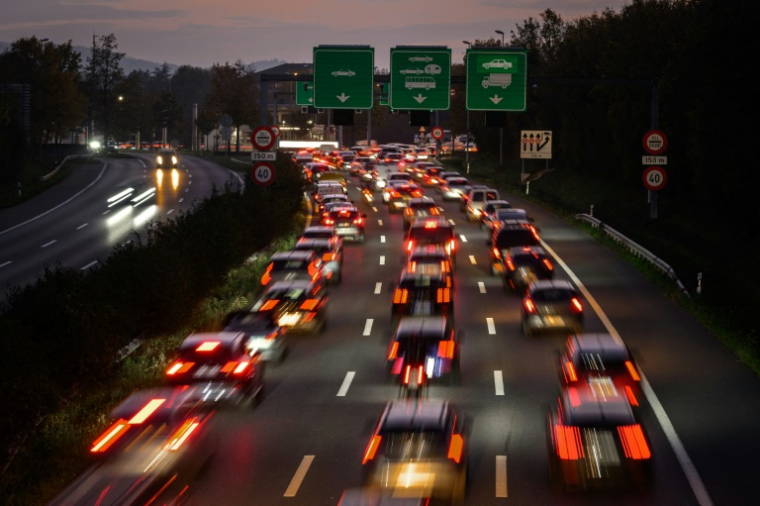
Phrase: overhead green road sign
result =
(304, 93)
(343, 77)
(420, 78)
(496, 80)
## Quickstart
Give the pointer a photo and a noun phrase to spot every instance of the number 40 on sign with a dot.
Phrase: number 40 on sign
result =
(262, 173)
(654, 178)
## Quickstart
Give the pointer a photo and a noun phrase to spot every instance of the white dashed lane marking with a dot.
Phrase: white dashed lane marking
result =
(368, 327)
(49, 243)
(382, 259)
(501, 476)
(498, 382)
(346, 384)
(472, 260)
(491, 328)
(378, 287)
(295, 483)
(80, 227)
(481, 287)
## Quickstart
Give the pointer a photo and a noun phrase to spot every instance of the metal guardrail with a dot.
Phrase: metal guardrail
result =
(60, 166)
(634, 248)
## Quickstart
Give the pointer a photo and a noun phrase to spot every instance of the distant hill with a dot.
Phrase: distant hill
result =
(129, 64)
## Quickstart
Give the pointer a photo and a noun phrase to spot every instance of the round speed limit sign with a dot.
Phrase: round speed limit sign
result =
(262, 173)
(655, 178)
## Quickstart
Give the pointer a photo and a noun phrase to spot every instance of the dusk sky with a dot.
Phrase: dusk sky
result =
(203, 32)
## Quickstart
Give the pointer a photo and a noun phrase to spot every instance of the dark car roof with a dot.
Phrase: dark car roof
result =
(225, 339)
(422, 325)
(293, 255)
(440, 222)
(297, 284)
(596, 403)
(427, 415)
(607, 347)
(429, 251)
(250, 322)
(315, 244)
(412, 280)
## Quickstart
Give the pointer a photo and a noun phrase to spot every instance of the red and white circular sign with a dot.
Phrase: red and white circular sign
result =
(437, 133)
(655, 142)
(654, 178)
(262, 173)
(262, 138)
(275, 130)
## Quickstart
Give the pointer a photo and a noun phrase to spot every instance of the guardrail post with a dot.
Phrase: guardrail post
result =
(699, 284)
(591, 212)
(527, 188)
(19, 189)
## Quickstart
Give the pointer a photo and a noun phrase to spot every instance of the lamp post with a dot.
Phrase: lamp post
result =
(467, 143)
(501, 129)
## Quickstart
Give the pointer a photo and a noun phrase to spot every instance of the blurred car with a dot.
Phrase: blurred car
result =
(327, 188)
(393, 157)
(550, 306)
(400, 196)
(509, 214)
(422, 292)
(156, 437)
(356, 169)
(432, 257)
(488, 213)
(510, 234)
(324, 218)
(426, 344)
(522, 265)
(419, 450)
(430, 177)
(346, 157)
(595, 440)
(390, 186)
(588, 357)
(333, 197)
(453, 188)
(222, 363)
(473, 201)
(321, 232)
(331, 252)
(420, 207)
(418, 168)
(432, 231)
(399, 176)
(263, 333)
(445, 175)
(298, 305)
(166, 158)
(290, 265)
(348, 223)
(376, 497)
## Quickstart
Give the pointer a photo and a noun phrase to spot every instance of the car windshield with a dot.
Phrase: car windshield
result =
(285, 294)
(437, 235)
(528, 260)
(318, 234)
(407, 445)
(289, 265)
(553, 295)
(519, 237)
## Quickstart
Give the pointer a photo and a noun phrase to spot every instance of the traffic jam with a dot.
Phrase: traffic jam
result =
(416, 451)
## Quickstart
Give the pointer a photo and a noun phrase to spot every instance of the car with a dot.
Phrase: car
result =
(595, 440)
(432, 257)
(521, 265)
(420, 207)
(290, 265)
(432, 231)
(430, 177)
(390, 186)
(422, 291)
(399, 176)
(445, 175)
(331, 252)
(551, 306)
(153, 437)
(343, 73)
(223, 363)
(418, 168)
(166, 158)
(488, 213)
(332, 176)
(400, 196)
(588, 357)
(425, 58)
(453, 188)
(356, 169)
(346, 157)
(509, 234)
(419, 450)
(321, 232)
(264, 334)
(348, 223)
(299, 305)
(497, 64)
(393, 157)
(475, 199)
(426, 342)
(333, 198)
(327, 188)
(414, 71)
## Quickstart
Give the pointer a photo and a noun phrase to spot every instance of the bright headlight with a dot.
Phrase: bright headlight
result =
(160, 160)
(174, 160)
(95, 145)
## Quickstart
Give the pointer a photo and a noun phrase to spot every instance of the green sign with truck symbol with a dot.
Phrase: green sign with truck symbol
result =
(496, 80)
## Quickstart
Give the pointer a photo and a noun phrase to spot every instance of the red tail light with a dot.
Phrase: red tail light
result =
(420, 375)
(109, 437)
(445, 266)
(309, 304)
(534, 232)
(407, 373)
(452, 245)
(570, 368)
(328, 221)
(575, 399)
(410, 245)
(443, 296)
(455, 448)
(394, 351)
(568, 442)
(179, 368)
(632, 370)
(529, 306)
(266, 278)
(400, 296)
(309, 317)
(313, 271)
(634, 444)
(374, 444)
(510, 264)
(181, 435)
(329, 257)
(575, 305)
(446, 349)
(269, 305)
(496, 253)
(358, 221)
(412, 267)
(631, 398)
(548, 264)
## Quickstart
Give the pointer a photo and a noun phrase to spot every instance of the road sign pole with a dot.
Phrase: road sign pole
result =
(501, 145)
(369, 127)
(467, 143)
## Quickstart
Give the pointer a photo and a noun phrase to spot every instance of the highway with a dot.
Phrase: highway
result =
(79, 221)
(303, 444)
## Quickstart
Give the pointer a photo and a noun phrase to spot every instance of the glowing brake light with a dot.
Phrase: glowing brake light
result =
(394, 351)
(181, 435)
(146, 411)
(309, 304)
(455, 448)
(632, 370)
(208, 346)
(575, 399)
(241, 367)
(571, 374)
(529, 306)
(510, 264)
(443, 296)
(631, 398)
(576, 305)
(431, 224)
(446, 349)
(358, 221)
(496, 253)
(634, 444)
(266, 278)
(179, 368)
(328, 221)
(372, 449)
(329, 257)
(109, 437)
(534, 232)
(400, 296)
(568, 442)
(313, 271)
(410, 245)
(548, 264)
(269, 305)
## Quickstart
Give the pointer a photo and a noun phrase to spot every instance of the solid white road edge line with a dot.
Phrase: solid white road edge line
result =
(378, 287)
(481, 287)
(498, 382)
(501, 476)
(295, 483)
(368, 327)
(346, 384)
(59, 205)
(695, 481)
(491, 328)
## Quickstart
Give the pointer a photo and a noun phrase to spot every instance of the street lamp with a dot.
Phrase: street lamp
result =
(502, 37)
(469, 44)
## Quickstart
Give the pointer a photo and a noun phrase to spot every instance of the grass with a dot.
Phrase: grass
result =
(678, 238)
(31, 181)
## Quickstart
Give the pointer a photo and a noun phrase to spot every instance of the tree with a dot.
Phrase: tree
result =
(104, 74)
(234, 92)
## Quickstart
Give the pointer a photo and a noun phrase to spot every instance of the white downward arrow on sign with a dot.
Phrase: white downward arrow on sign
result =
(495, 98)
(342, 97)
(419, 98)
(311, 100)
